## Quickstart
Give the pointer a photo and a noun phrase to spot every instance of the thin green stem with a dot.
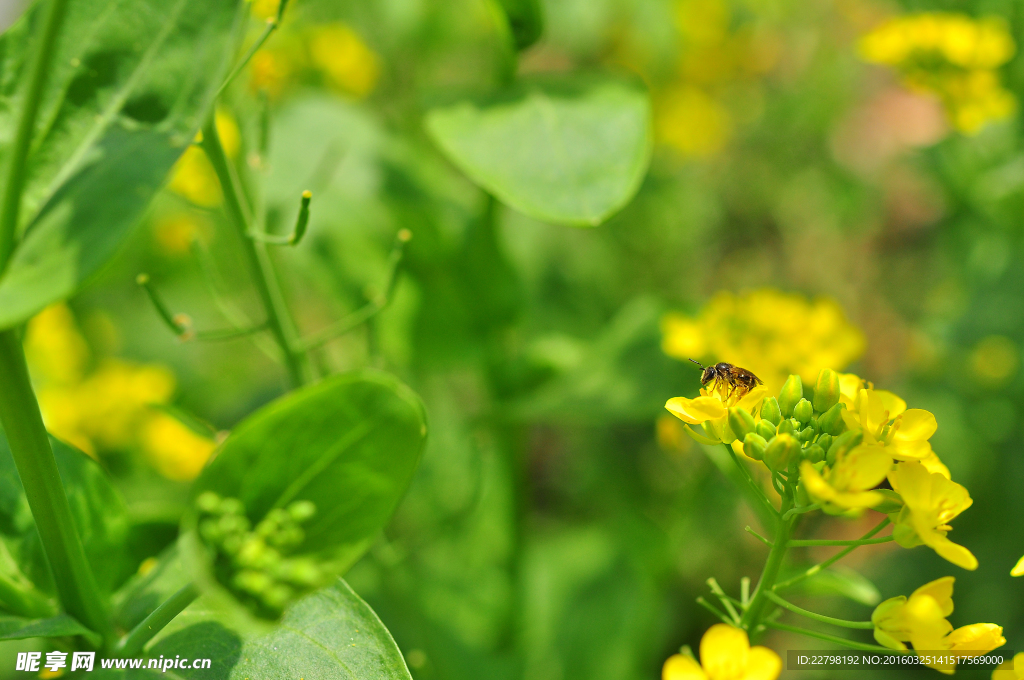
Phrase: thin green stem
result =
(758, 536)
(832, 560)
(854, 543)
(367, 311)
(864, 625)
(723, 598)
(752, 616)
(714, 610)
(801, 510)
(133, 643)
(16, 170)
(278, 320)
(745, 591)
(270, 28)
(851, 644)
(30, 447)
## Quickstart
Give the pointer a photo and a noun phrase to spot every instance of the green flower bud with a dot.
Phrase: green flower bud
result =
(278, 596)
(806, 434)
(826, 390)
(272, 522)
(754, 446)
(300, 572)
(208, 502)
(892, 503)
(803, 411)
(287, 538)
(233, 524)
(210, 532)
(231, 506)
(770, 411)
(842, 444)
(765, 428)
(814, 453)
(824, 441)
(781, 451)
(301, 511)
(252, 581)
(791, 394)
(831, 421)
(740, 422)
(232, 543)
(788, 426)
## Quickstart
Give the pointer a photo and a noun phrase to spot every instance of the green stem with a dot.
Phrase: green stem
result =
(717, 590)
(865, 625)
(16, 171)
(714, 610)
(853, 543)
(30, 447)
(133, 642)
(832, 560)
(752, 616)
(278, 320)
(832, 638)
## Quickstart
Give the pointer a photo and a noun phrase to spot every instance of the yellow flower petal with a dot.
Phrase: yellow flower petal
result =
(862, 468)
(948, 550)
(724, 651)
(891, 403)
(696, 411)
(1010, 670)
(816, 486)
(940, 590)
(976, 639)
(680, 667)
(910, 450)
(1019, 569)
(916, 425)
(762, 664)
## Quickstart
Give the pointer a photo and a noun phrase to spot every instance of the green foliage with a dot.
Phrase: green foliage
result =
(567, 151)
(130, 84)
(348, 445)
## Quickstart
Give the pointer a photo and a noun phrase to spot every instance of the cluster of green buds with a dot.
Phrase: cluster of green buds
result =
(792, 428)
(256, 563)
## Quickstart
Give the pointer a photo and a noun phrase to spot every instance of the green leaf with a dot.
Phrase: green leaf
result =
(559, 151)
(19, 628)
(349, 444)
(99, 513)
(525, 21)
(130, 84)
(845, 582)
(330, 634)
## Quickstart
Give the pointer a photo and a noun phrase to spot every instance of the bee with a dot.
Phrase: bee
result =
(739, 380)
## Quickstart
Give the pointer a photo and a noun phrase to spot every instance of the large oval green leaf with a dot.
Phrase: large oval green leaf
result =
(130, 83)
(349, 445)
(559, 151)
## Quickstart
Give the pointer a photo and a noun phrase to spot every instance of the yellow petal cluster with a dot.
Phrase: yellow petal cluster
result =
(768, 332)
(725, 654)
(950, 55)
(921, 621)
(845, 486)
(931, 501)
(1010, 670)
(107, 406)
(710, 410)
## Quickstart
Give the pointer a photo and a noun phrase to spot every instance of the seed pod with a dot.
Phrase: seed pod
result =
(831, 421)
(791, 394)
(754, 446)
(803, 411)
(741, 422)
(781, 451)
(842, 444)
(765, 428)
(826, 390)
(770, 411)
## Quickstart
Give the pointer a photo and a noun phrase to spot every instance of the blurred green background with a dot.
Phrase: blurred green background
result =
(559, 528)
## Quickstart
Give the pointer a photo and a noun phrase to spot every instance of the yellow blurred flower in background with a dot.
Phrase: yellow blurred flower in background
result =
(1012, 669)
(110, 405)
(343, 58)
(995, 360)
(175, 232)
(952, 56)
(692, 122)
(193, 178)
(768, 332)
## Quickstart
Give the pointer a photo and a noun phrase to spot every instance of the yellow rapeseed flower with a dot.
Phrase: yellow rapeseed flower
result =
(846, 485)
(931, 501)
(768, 332)
(1018, 570)
(921, 621)
(344, 59)
(691, 121)
(193, 177)
(952, 56)
(175, 450)
(994, 360)
(725, 654)
(709, 410)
